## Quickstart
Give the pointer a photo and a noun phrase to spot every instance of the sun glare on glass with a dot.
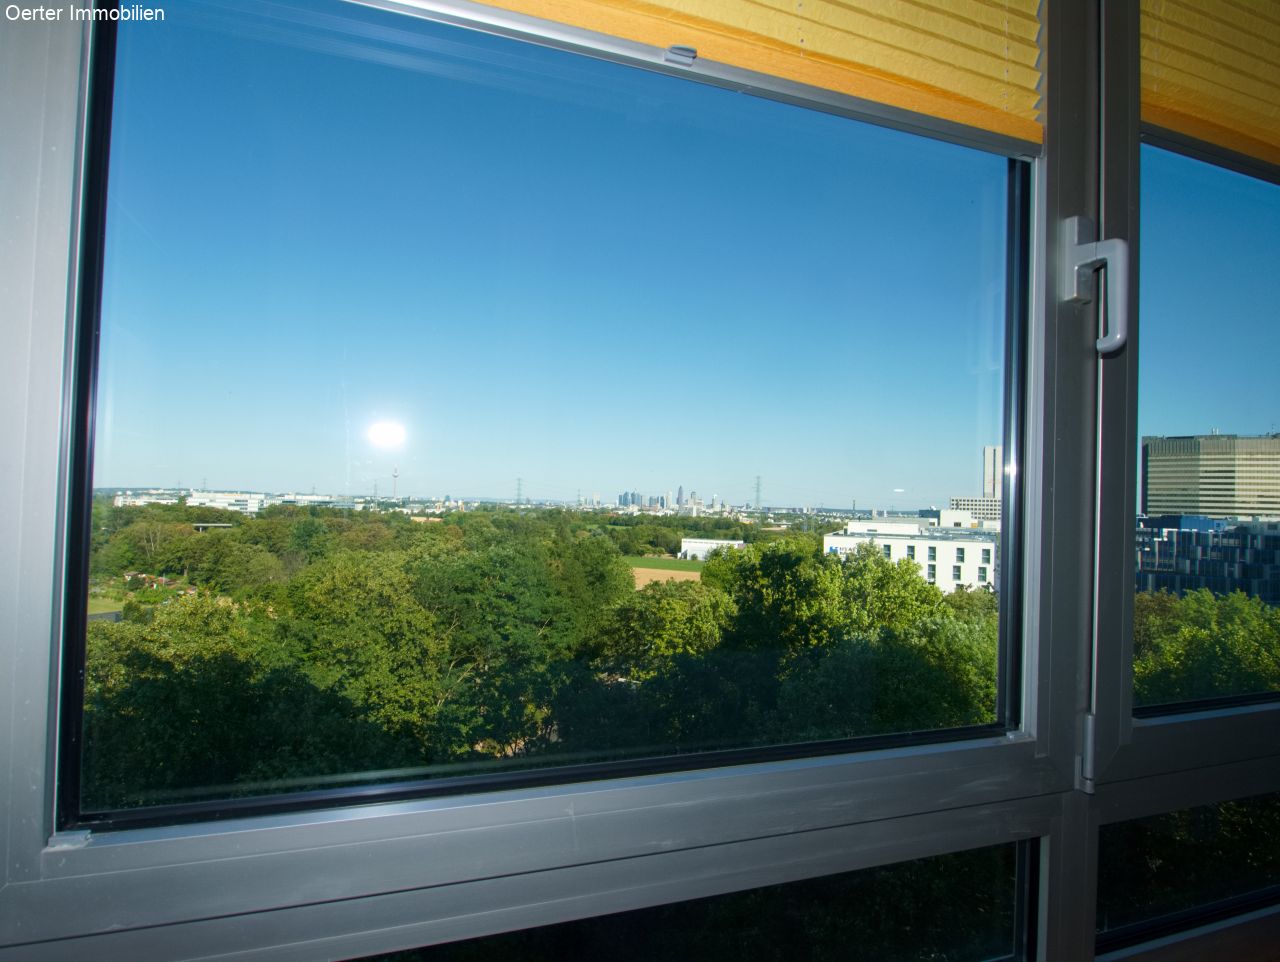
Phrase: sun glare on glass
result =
(386, 434)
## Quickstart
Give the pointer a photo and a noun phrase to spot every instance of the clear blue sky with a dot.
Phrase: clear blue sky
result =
(560, 269)
(1210, 295)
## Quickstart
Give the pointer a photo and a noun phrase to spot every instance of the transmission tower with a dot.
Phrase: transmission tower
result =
(759, 504)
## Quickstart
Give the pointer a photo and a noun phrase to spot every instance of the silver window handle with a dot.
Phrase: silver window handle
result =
(1084, 255)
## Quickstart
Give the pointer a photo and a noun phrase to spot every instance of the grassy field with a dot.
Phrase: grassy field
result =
(663, 564)
(99, 606)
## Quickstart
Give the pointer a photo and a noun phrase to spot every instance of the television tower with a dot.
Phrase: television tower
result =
(519, 490)
(395, 477)
(759, 505)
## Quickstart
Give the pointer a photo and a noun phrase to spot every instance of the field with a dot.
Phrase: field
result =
(98, 606)
(647, 570)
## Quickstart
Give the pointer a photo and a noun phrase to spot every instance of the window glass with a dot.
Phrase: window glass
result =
(1188, 862)
(468, 406)
(1208, 531)
(954, 907)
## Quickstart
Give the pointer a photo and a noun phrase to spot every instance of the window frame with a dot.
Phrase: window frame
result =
(426, 843)
(1195, 753)
(378, 877)
(97, 94)
(1192, 735)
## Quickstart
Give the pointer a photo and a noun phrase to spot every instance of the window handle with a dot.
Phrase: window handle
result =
(1084, 255)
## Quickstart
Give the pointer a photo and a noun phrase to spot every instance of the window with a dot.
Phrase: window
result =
(933, 553)
(1201, 859)
(933, 573)
(955, 573)
(986, 556)
(1206, 622)
(380, 595)
(982, 574)
(959, 555)
(892, 912)
(911, 552)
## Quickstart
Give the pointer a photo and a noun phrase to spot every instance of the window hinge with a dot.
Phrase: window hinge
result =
(1085, 760)
(69, 841)
(1083, 254)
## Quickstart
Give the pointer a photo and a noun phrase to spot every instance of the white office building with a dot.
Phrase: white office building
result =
(245, 503)
(699, 548)
(983, 508)
(947, 557)
(136, 499)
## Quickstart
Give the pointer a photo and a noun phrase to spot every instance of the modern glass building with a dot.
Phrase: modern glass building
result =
(1215, 475)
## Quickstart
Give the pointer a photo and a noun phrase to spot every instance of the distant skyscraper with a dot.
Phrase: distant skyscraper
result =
(992, 469)
(1214, 475)
(987, 506)
(680, 496)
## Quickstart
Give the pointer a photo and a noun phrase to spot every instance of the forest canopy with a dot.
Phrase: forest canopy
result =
(307, 646)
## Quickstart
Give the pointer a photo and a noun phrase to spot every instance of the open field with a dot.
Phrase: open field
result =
(663, 564)
(99, 606)
(644, 576)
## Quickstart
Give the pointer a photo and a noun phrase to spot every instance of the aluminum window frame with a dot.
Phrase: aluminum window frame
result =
(97, 108)
(1196, 753)
(1179, 738)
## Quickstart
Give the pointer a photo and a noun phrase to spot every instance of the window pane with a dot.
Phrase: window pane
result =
(1152, 868)
(1208, 533)
(469, 406)
(951, 907)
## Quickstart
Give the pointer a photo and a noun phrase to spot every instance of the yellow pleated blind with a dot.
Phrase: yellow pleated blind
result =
(975, 62)
(1211, 70)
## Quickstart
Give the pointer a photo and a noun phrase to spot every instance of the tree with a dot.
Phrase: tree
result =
(1204, 645)
(199, 702)
(662, 620)
(589, 577)
(878, 593)
(786, 594)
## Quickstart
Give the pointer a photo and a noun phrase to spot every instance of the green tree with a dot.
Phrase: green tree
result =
(662, 620)
(198, 702)
(786, 594)
(1204, 645)
(589, 577)
(877, 593)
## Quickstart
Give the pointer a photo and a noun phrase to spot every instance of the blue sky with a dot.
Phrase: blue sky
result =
(1210, 300)
(584, 275)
